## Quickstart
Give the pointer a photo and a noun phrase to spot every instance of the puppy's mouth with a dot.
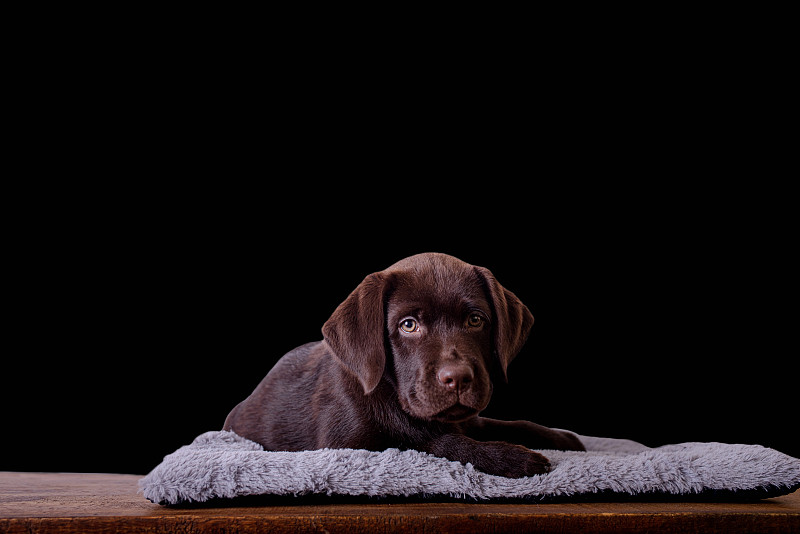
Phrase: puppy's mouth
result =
(455, 414)
(443, 407)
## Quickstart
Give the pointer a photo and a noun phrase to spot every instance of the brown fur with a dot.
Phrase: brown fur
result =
(371, 385)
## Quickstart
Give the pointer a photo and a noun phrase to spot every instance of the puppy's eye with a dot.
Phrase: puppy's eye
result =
(409, 325)
(475, 320)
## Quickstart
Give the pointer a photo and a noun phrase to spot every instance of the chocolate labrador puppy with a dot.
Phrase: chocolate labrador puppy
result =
(406, 362)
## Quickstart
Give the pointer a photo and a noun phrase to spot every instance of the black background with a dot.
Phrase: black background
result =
(137, 327)
(172, 231)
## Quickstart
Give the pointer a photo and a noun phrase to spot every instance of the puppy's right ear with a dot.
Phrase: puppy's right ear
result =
(513, 320)
(355, 331)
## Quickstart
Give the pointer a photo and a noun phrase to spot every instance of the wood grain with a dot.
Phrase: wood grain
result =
(68, 502)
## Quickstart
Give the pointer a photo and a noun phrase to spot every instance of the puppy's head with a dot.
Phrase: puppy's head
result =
(433, 326)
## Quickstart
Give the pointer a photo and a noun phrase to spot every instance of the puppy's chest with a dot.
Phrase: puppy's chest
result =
(394, 428)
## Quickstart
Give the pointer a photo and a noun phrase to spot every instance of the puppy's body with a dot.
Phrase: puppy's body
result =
(308, 401)
(407, 361)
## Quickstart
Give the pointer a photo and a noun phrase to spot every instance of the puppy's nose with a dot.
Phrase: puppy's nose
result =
(455, 375)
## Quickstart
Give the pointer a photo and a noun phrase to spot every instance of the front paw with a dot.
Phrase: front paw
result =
(570, 442)
(512, 461)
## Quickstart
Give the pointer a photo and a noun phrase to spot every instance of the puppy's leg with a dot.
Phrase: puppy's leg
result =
(492, 457)
(524, 433)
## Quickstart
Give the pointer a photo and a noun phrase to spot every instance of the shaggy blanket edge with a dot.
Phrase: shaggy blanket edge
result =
(224, 465)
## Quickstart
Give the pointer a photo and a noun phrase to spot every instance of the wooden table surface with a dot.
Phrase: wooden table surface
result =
(78, 502)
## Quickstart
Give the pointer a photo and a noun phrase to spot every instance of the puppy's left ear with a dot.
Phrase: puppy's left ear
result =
(355, 331)
(512, 320)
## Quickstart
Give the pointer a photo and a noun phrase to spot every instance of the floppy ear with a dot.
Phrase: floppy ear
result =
(512, 320)
(355, 331)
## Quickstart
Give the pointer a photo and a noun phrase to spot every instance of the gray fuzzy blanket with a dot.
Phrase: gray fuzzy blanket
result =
(224, 465)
